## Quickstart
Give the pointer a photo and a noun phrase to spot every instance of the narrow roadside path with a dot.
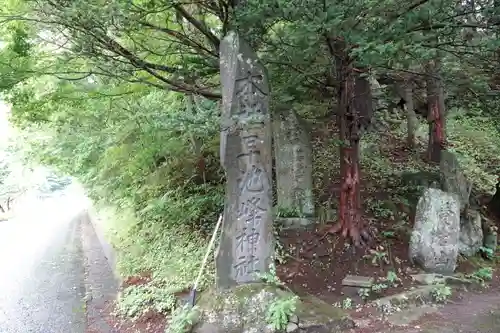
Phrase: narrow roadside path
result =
(55, 277)
(42, 278)
(101, 284)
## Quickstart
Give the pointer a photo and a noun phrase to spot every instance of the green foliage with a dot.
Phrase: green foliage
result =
(379, 287)
(483, 274)
(377, 256)
(183, 318)
(280, 310)
(133, 301)
(474, 139)
(392, 278)
(347, 303)
(489, 253)
(149, 153)
(364, 293)
(15, 177)
(271, 276)
(441, 293)
(285, 212)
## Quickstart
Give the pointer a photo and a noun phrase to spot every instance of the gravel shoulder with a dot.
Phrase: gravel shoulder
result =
(101, 284)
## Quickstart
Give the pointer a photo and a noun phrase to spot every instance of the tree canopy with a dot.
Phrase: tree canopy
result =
(125, 94)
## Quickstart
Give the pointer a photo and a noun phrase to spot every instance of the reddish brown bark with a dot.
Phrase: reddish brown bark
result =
(436, 134)
(349, 222)
(436, 113)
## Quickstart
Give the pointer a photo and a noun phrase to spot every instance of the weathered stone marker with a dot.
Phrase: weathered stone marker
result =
(471, 233)
(246, 245)
(293, 154)
(453, 179)
(240, 303)
(434, 242)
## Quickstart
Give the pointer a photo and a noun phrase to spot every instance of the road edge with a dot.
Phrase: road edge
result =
(100, 281)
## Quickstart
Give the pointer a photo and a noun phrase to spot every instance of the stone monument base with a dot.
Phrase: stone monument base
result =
(244, 309)
(296, 222)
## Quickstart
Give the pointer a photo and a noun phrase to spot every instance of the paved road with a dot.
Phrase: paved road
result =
(42, 274)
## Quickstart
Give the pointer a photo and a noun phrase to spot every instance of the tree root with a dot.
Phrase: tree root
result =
(359, 234)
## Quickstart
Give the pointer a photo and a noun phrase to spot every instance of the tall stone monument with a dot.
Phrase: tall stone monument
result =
(246, 245)
(293, 154)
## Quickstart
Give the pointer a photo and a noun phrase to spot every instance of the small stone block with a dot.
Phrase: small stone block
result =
(293, 319)
(292, 327)
(428, 278)
(295, 222)
(353, 293)
(357, 281)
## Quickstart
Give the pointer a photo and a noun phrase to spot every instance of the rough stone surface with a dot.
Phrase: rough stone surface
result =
(292, 327)
(471, 233)
(246, 242)
(354, 293)
(358, 281)
(429, 278)
(453, 179)
(243, 309)
(411, 314)
(393, 303)
(435, 237)
(490, 234)
(433, 278)
(293, 154)
(294, 222)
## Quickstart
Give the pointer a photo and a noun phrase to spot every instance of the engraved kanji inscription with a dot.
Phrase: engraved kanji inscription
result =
(252, 175)
(250, 96)
(246, 245)
(293, 155)
(246, 266)
(251, 212)
(247, 240)
(253, 180)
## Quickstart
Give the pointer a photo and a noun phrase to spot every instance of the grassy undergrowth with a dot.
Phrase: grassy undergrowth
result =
(171, 256)
(151, 162)
(475, 140)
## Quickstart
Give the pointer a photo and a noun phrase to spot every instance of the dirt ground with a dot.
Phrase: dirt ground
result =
(478, 312)
(323, 264)
(318, 266)
(150, 322)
